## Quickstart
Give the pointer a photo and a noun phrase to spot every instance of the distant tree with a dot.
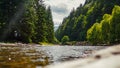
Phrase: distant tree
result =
(65, 39)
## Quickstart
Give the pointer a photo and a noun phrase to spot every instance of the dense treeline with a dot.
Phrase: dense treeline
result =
(108, 30)
(25, 21)
(76, 25)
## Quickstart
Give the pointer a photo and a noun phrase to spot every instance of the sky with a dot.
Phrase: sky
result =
(61, 8)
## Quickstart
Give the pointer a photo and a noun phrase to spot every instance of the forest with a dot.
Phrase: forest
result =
(29, 38)
(31, 21)
(27, 21)
(97, 21)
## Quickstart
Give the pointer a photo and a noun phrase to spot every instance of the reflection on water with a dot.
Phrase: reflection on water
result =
(21, 57)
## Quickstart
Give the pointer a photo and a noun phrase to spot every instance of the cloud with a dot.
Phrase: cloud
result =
(62, 8)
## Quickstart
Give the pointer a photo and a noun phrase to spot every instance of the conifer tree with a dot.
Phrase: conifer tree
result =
(41, 23)
(50, 26)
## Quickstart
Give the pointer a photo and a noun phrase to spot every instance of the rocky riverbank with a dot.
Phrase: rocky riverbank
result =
(34, 55)
(106, 58)
(18, 55)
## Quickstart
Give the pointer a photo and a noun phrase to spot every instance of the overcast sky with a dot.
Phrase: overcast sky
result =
(62, 8)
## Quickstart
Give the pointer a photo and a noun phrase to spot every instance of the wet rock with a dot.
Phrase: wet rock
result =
(106, 58)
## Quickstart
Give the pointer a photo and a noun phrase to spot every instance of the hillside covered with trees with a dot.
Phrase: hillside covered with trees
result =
(108, 30)
(97, 21)
(25, 21)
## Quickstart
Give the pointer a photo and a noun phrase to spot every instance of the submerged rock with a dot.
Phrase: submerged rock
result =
(106, 58)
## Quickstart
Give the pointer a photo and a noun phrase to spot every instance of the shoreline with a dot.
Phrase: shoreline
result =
(32, 44)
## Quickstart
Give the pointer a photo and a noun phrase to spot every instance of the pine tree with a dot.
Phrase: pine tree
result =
(28, 20)
(41, 23)
(50, 25)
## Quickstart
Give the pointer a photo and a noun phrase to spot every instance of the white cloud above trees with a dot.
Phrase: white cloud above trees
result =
(62, 8)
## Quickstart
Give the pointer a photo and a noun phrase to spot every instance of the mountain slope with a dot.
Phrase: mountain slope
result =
(80, 20)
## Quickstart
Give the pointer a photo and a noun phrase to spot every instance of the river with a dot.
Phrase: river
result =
(39, 56)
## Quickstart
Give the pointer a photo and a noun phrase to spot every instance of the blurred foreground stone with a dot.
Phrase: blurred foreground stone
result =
(106, 58)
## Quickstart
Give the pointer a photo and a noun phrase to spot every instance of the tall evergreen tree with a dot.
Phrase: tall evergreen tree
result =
(28, 20)
(41, 23)
(50, 26)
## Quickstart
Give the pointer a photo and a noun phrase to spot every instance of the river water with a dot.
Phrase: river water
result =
(40, 56)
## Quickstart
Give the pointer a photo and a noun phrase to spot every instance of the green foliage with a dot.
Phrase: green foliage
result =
(50, 27)
(114, 25)
(106, 28)
(25, 21)
(65, 39)
(80, 20)
(8, 12)
(94, 34)
(79, 25)
(41, 24)
(108, 31)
